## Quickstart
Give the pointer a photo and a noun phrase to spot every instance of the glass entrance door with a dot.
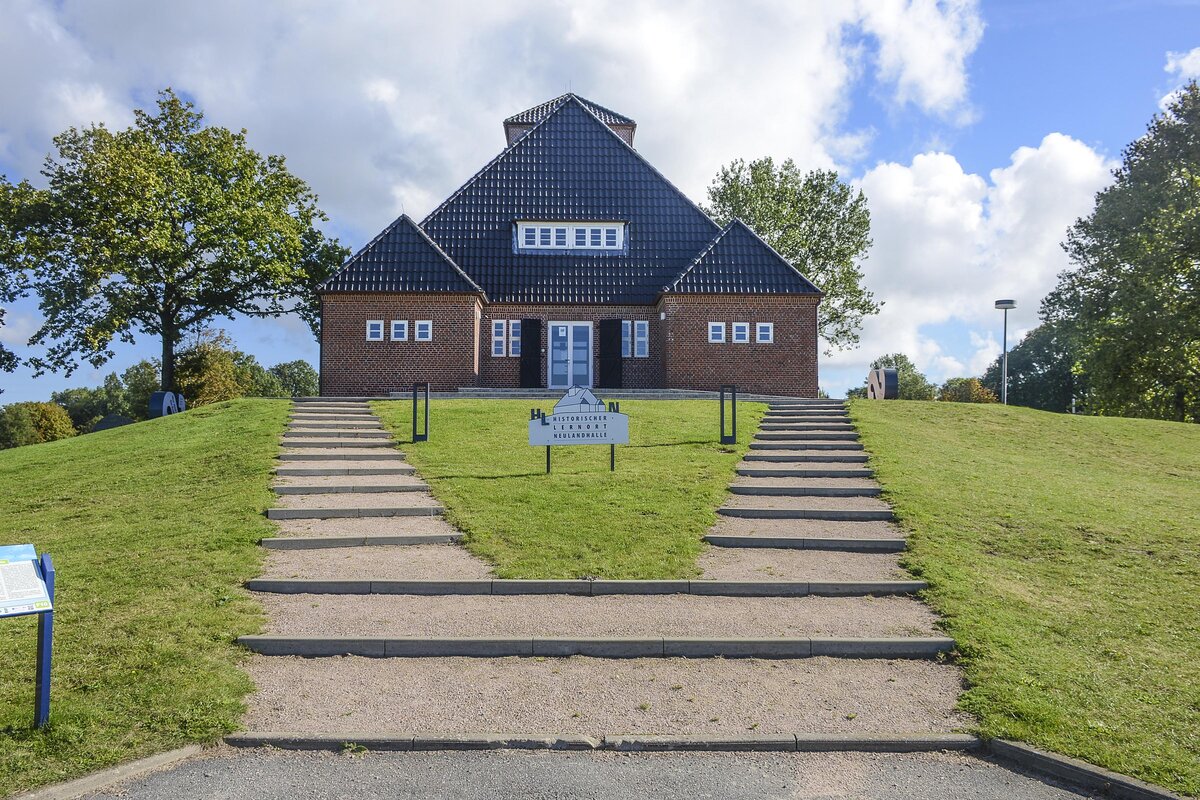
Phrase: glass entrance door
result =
(570, 354)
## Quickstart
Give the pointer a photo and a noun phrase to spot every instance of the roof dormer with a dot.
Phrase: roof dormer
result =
(518, 125)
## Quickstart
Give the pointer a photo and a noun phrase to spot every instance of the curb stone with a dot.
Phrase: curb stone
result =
(377, 540)
(111, 776)
(1076, 772)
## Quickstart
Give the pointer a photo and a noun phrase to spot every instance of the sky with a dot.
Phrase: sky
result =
(978, 131)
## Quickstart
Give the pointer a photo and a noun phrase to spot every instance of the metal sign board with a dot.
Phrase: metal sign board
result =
(22, 587)
(579, 418)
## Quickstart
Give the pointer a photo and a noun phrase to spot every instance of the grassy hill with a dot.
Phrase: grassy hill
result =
(1064, 553)
(152, 527)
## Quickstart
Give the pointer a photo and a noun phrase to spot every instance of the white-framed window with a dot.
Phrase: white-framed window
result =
(716, 332)
(626, 338)
(498, 343)
(424, 330)
(764, 332)
(641, 338)
(399, 330)
(514, 338)
(741, 333)
(574, 236)
(374, 330)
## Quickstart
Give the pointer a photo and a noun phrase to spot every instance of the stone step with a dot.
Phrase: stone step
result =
(374, 540)
(420, 561)
(348, 408)
(767, 490)
(808, 445)
(357, 488)
(347, 697)
(365, 481)
(310, 469)
(324, 432)
(612, 616)
(785, 405)
(301, 442)
(803, 456)
(349, 415)
(585, 588)
(339, 454)
(842, 515)
(833, 471)
(354, 499)
(783, 564)
(806, 419)
(806, 413)
(354, 511)
(838, 543)
(832, 427)
(330, 400)
(802, 436)
(915, 647)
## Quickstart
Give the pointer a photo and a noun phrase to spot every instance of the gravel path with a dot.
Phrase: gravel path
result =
(358, 500)
(595, 696)
(605, 616)
(366, 526)
(754, 564)
(413, 562)
(348, 480)
(849, 483)
(275, 775)
(822, 503)
(806, 465)
(740, 526)
(348, 452)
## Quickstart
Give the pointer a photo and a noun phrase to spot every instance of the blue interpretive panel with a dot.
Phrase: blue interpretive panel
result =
(22, 585)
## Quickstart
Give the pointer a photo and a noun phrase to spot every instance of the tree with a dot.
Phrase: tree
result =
(912, 383)
(966, 390)
(1131, 299)
(1039, 371)
(297, 378)
(819, 224)
(14, 281)
(33, 423)
(160, 228)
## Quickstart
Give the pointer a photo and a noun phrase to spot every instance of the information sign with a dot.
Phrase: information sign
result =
(579, 418)
(22, 587)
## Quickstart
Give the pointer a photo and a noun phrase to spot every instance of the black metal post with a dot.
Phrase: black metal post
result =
(547, 459)
(612, 458)
(41, 710)
(730, 438)
(420, 437)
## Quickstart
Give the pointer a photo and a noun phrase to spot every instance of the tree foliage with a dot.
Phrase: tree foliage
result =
(819, 224)
(33, 423)
(966, 390)
(1132, 296)
(912, 383)
(1040, 371)
(298, 378)
(157, 230)
(15, 201)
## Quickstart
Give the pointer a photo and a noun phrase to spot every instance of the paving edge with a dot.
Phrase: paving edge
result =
(1075, 772)
(111, 776)
(787, 742)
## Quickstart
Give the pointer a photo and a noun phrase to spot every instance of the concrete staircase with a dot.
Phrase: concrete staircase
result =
(802, 623)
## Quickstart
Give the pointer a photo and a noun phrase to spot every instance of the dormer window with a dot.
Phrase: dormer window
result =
(602, 236)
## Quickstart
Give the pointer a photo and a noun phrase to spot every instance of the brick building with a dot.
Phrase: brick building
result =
(568, 260)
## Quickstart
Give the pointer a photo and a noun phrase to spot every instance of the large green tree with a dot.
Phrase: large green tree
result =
(1040, 371)
(1132, 296)
(160, 228)
(818, 223)
(14, 280)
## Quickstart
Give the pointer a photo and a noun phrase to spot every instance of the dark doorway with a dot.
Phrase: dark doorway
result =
(531, 354)
(609, 351)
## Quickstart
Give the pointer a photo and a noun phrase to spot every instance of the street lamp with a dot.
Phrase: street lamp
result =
(1005, 305)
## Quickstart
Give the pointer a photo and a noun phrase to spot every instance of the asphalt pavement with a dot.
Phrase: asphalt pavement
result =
(279, 775)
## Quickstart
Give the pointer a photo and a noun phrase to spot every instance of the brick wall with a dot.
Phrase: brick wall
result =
(788, 366)
(636, 373)
(351, 365)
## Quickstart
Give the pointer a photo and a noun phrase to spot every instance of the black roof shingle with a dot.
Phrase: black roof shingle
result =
(542, 110)
(738, 261)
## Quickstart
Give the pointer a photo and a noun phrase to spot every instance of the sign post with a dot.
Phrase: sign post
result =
(420, 437)
(731, 437)
(27, 587)
(579, 418)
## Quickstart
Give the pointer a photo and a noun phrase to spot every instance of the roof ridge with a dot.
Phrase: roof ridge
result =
(767, 245)
(438, 249)
(738, 222)
(707, 249)
(346, 264)
(553, 103)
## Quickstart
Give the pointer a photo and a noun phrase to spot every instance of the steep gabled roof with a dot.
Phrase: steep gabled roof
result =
(739, 262)
(401, 259)
(532, 116)
(570, 166)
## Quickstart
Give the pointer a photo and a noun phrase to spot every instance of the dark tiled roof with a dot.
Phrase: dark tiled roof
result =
(401, 259)
(539, 112)
(739, 262)
(570, 166)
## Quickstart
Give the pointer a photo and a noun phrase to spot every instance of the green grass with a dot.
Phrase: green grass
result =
(1064, 554)
(152, 529)
(645, 520)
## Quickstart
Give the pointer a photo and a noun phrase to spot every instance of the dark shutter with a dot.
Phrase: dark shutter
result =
(531, 354)
(610, 354)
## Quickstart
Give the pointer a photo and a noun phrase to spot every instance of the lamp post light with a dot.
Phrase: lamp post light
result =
(1005, 305)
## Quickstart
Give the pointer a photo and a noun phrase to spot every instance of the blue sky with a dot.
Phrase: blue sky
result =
(977, 131)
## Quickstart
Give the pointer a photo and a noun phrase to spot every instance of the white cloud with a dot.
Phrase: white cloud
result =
(1183, 68)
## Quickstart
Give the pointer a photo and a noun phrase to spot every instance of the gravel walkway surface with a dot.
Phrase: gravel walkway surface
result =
(273, 775)
(348, 480)
(805, 465)
(367, 526)
(814, 503)
(741, 526)
(855, 483)
(753, 564)
(413, 562)
(606, 616)
(358, 500)
(595, 696)
(348, 453)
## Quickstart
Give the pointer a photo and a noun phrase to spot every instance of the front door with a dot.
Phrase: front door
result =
(570, 355)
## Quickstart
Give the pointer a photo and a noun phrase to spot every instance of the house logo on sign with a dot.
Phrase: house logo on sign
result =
(579, 417)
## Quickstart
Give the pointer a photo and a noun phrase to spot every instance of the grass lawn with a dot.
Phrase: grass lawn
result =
(152, 529)
(1064, 553)
(643, 521)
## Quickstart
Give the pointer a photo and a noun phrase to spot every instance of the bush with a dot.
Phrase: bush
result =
(966, 390)
(33, 423)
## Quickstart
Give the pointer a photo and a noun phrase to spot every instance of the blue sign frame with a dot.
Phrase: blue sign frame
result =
(44, 567)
